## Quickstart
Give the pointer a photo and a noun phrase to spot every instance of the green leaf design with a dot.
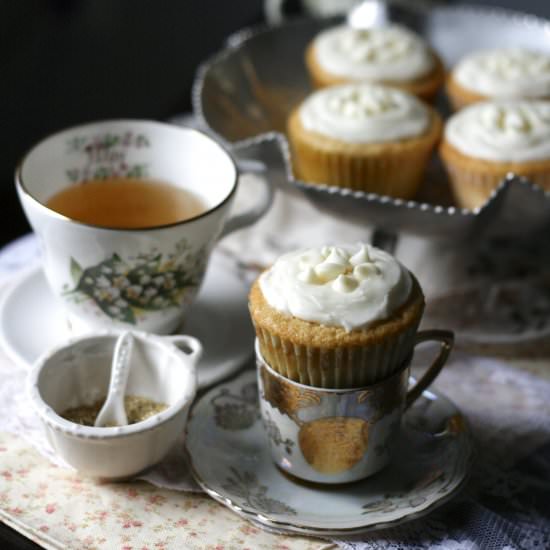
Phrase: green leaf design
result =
(104, 283)
(122, 314)
(150, 282)
(76, 271)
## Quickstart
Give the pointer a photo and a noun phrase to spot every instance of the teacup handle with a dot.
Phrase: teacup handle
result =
(186, 344)
(446, 341)
(265, 198)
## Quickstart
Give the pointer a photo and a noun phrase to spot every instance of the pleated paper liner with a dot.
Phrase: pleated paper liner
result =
(394, 168)
(474, 180)
(340, 367)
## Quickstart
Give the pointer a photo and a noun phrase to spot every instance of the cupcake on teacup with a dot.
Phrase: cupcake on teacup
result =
(336, 316)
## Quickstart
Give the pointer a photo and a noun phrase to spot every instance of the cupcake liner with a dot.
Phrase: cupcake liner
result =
(473, 187)
(458, 102)
(397, 172)
(337, 368)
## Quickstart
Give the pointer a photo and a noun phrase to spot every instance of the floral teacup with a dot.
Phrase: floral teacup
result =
(130, 278)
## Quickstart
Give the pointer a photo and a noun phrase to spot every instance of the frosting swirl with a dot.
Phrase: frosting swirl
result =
(390, 53)
(350, 286)
(505, 131)
(505, 73)
(364, 113)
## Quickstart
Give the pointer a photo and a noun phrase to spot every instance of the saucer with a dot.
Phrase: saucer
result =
(32, 321)
(228, 452)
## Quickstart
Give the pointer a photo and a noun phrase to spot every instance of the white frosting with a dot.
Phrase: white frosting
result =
(502, 131)
(364, 113)
(349, 286)
(390, 53)
(505, 73)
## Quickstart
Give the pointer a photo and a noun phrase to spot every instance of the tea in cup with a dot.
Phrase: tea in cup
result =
(127, 213)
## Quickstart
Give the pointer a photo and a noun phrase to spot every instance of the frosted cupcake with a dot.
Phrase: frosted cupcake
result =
(513, 73)
(486, 141)
(365, 137)
(390, 55)
(336, 316)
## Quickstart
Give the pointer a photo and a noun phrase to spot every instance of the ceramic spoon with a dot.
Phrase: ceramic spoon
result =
(113, 412)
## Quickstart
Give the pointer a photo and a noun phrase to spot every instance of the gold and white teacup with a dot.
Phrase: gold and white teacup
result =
(341, 435)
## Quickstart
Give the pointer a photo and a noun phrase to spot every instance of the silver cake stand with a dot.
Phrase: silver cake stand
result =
(244, 93)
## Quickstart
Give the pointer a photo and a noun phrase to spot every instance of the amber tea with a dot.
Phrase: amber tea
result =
(126, 203)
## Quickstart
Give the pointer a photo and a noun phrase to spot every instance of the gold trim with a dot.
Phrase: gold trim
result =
(22, 188)
(446, 341)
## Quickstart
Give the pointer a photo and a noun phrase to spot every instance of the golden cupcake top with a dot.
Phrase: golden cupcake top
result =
(364, 113)
(505, 73)
(349, 286)
(391, 53)
(502, 131)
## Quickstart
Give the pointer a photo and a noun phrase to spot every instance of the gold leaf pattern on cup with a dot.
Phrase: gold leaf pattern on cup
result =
(286, 397)
(334, 444)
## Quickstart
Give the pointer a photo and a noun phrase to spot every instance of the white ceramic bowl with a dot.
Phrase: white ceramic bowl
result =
(77, 373)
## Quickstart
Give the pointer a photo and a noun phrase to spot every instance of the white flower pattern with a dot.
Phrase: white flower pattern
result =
(128, 289)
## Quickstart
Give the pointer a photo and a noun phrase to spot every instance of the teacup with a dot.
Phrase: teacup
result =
(341, 435)
(142, 278)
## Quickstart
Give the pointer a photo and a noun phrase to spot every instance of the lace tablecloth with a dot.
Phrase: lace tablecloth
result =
(506, 503)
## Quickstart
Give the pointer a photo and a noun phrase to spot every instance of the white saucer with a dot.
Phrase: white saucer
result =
(31, 321)
(227, 450)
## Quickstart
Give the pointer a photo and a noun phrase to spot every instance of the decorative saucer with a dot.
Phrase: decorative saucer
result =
(229, 456)
(31, 321)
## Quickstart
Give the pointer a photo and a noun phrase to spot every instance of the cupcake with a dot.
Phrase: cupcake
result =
(390, 55)
(486, 141)
(336, 316)
(364, 137)
(513, 73)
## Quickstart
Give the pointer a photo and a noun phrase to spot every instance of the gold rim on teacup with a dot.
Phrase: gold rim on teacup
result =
(23, 188)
